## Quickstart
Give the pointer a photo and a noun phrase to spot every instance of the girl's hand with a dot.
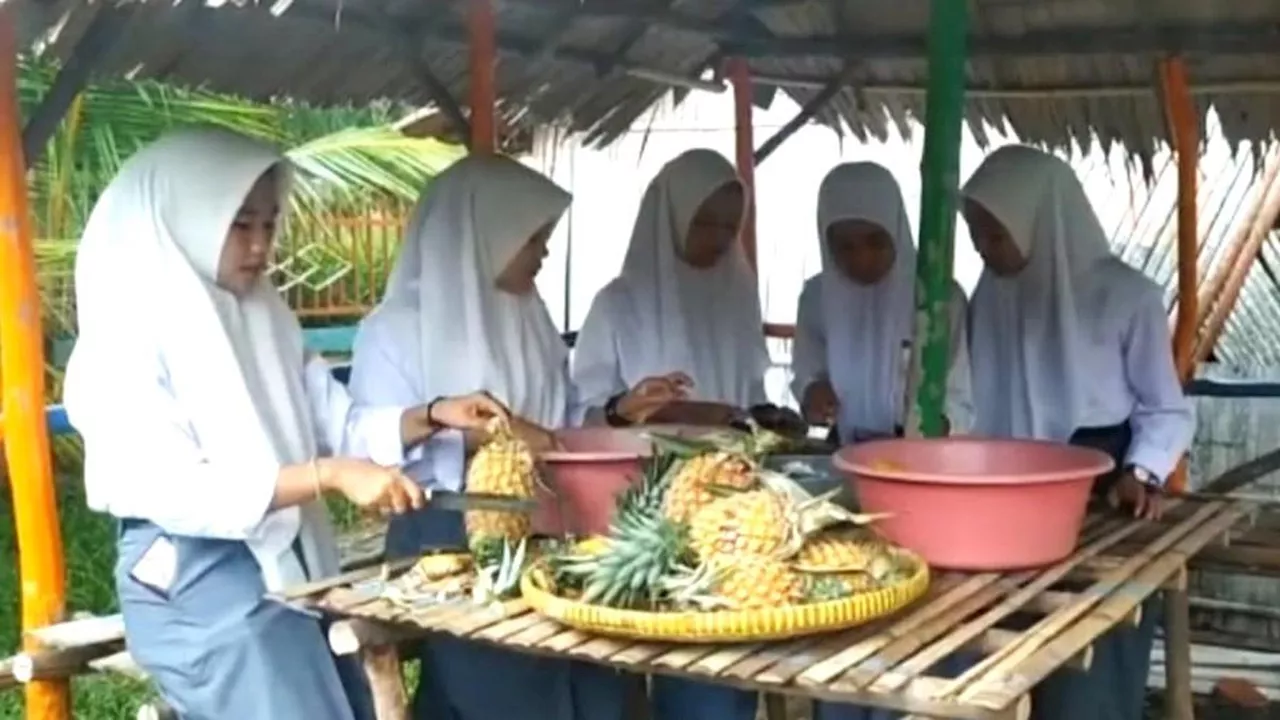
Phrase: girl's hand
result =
(370, 486)
(467, 412)
(820, 405)
(653, 394)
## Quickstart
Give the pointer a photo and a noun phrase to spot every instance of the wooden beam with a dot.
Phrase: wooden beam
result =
(482, 46)
(106, 27)
(807, 113)
(436, 88)
(1183, 129)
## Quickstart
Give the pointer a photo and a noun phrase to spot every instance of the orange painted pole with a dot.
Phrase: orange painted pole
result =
(1184, 133)
(482, 26)
(35, 504)
(745, 147)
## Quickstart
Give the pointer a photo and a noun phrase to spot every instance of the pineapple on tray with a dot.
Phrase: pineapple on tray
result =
(706, 528)
(721, 460)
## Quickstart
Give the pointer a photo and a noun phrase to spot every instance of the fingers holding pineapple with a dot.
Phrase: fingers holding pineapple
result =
(472, 412)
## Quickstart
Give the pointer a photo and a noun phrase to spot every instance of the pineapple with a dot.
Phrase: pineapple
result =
(630, 568)
(774, 520)
(724, 461)
(692, 487)
(759, 582)
(855, 561)
(756, 522)
(839, 552)
(504, 465)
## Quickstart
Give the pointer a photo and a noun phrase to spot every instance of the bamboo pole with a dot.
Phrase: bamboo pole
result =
(1184, 133)
(744, 144)
(1256, 232)
(22, 357)
(482, 85)
(940, 182)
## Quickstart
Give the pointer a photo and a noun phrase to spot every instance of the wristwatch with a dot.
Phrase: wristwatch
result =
(1144, 476)
(611, 416)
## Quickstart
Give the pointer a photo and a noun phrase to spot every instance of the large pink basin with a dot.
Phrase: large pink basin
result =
(976, 504)
(596, 465)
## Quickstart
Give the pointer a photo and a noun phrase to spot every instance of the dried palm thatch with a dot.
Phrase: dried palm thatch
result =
(1056, 71)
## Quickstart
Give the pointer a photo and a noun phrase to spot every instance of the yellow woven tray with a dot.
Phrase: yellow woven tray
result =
(725, 625)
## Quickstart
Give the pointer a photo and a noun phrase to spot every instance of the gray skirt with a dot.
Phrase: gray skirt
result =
(215, 647)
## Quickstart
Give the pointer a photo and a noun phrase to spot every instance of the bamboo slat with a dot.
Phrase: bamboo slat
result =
(886, 664)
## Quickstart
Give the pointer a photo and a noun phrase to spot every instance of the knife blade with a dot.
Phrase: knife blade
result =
(460, 502)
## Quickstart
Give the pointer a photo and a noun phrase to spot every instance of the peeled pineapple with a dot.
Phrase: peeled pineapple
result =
(759, 582)
(502, 466)
(691, 488)
(750, 523)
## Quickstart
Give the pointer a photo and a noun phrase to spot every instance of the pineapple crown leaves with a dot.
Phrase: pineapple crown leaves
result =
(495, 582)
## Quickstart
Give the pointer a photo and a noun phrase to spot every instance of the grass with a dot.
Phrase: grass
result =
(89, 546)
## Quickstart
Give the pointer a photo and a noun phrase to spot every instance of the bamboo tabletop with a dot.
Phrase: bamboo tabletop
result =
(1023, 625)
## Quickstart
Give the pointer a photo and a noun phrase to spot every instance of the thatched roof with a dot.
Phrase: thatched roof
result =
(1056, 69)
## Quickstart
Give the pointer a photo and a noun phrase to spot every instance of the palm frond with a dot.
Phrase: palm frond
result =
(343, 169)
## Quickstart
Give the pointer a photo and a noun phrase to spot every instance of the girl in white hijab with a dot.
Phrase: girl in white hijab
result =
(216, 475)
(686, 303)
(854, 325)
(854, 328)
(462, 310)
(1070, 344)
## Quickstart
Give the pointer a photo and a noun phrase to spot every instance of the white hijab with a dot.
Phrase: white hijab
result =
(1029, 342)
(704, 322)
(144, 281)
(468, 334)
(866, 325)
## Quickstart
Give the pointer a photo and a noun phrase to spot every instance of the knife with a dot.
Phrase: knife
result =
(419, 470)
(464, 501)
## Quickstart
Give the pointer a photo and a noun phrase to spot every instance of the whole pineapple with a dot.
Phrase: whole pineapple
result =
(504, 465)
(754, 582)
(644, 550)
(693, 486)
(754, 523)
(840, 551)
(715, 462)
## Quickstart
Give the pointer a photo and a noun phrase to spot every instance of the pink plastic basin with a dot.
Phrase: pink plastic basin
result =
(596, 465)
(976, 504)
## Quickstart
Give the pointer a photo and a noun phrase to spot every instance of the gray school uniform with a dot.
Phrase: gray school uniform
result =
(217, 648)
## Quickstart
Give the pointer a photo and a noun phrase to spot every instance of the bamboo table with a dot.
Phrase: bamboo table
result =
(1118, 565)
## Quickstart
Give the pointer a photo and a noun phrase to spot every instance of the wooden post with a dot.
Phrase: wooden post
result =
(744, 143)
(35, 503)
(940, 186)
(1184, 135)
(1178, 698)
(483, 54)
